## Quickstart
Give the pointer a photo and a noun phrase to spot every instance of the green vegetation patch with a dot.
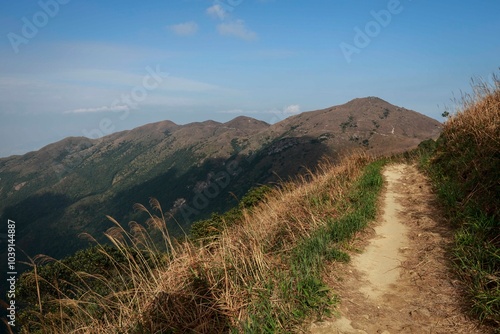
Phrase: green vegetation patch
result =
(302, 285)
(464, 165)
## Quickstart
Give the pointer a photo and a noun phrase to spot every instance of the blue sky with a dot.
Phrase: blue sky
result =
(74, 67)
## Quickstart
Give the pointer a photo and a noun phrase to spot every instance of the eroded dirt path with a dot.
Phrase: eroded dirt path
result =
(400, 281)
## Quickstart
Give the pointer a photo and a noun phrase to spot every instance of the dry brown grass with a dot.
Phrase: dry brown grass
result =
(477, 119)
(470, 145)
(466, 173)
(207, 288)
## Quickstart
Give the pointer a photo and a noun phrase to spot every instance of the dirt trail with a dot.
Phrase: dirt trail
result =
(400, 282)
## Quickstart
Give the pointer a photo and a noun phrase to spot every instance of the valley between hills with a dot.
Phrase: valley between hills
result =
(69, 187)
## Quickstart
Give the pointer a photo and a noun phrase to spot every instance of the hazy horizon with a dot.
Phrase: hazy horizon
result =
(73, 68)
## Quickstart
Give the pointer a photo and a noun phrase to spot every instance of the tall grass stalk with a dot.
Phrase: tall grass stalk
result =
(262, 274)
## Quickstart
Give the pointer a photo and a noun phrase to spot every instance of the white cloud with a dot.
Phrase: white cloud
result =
(292, 109)
(236, 29)
(99, 109)
(216, 11)
(185, 29)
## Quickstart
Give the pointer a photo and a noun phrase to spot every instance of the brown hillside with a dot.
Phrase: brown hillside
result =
(369, 122)
(85, 179)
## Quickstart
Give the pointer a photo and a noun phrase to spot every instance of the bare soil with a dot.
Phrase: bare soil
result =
(399, 279)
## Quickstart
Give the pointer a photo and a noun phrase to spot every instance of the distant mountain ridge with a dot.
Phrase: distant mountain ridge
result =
(69, 186)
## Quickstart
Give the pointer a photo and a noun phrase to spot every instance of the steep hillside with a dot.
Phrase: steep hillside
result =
(465, 168)
(68, 187)
(262, 274)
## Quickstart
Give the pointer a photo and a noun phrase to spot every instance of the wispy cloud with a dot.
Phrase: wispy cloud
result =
(216, 11)
(185, 29)
(291, 109)
(236, 29)
(99, 109)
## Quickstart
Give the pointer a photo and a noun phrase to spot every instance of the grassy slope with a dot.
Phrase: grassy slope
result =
(465, 169)
(261, 274)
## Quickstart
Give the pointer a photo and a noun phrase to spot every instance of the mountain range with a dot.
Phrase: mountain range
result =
(69, 187)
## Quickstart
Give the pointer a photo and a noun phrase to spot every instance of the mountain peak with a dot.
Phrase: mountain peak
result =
(369, 100)
(68, 144)
(245, 122)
